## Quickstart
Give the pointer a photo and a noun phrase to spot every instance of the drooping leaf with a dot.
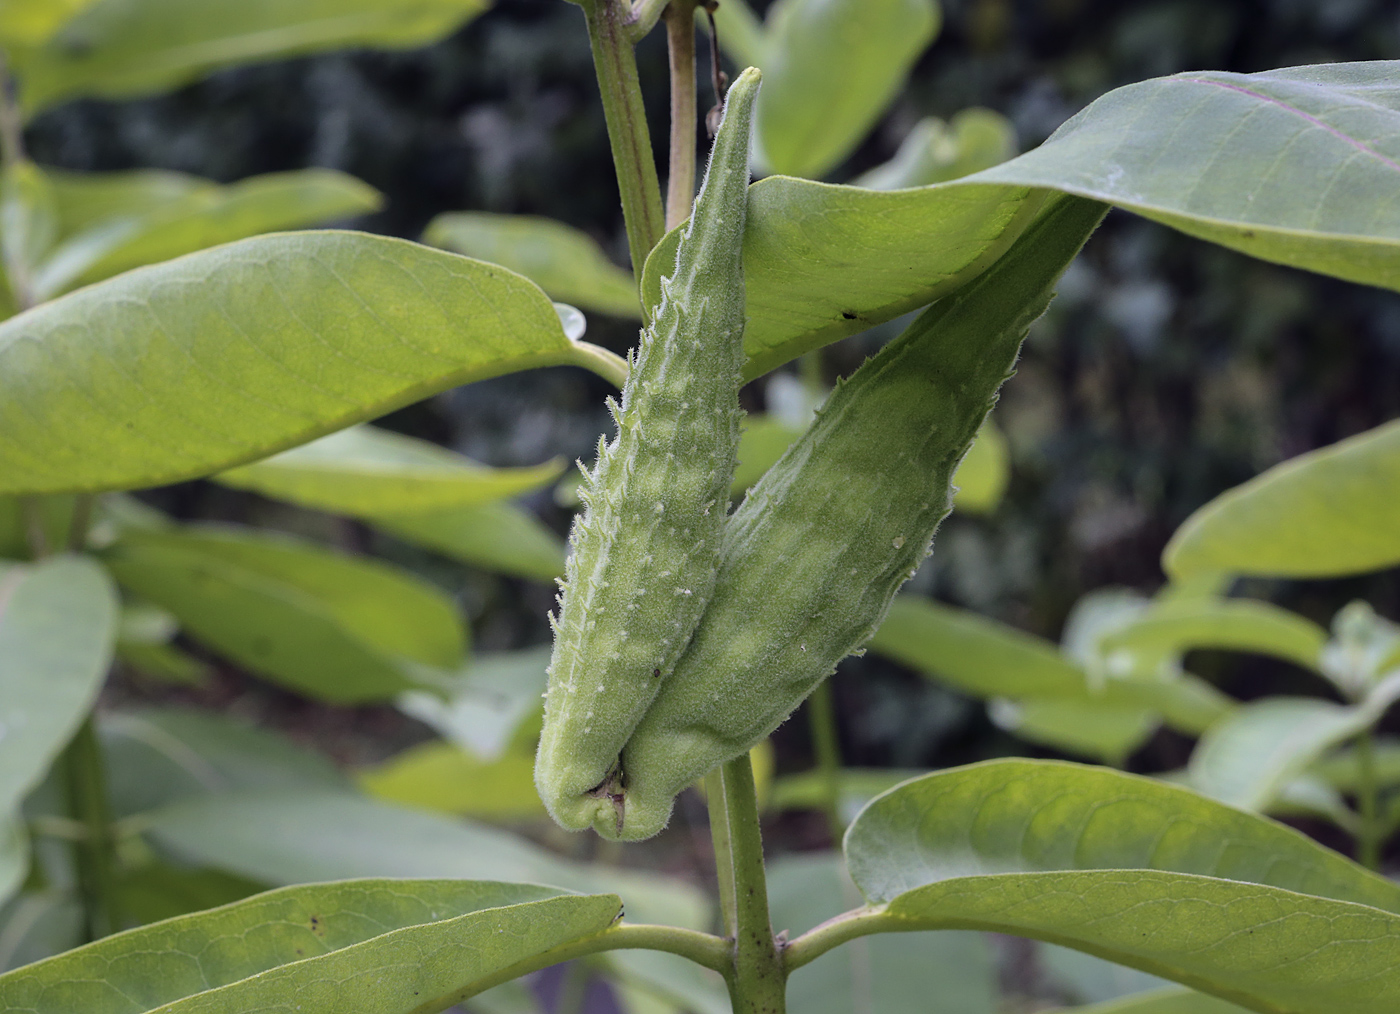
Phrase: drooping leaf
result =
(339, 628)
(1141, 873)
(366, 471)
(880, 974)
(565, 262)
(830, 67)
(392, 947)
(445, 778)
(495, 536)
(935, 152)
(225, 356)
(124, 48)
(1233, 624)
(194, 215)
(1296, 166)
(1327, 513)
(489, 706)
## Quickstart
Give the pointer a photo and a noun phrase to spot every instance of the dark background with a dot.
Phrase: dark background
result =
(1168, 370)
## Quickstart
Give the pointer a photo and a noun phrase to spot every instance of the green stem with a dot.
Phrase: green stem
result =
(93, 856)
(680, 42)
(833, 933)
(821, 715)
(616, 66)
(644, 14)
(724, 851)
(1369, 838)
(757, 981)
(596, 359)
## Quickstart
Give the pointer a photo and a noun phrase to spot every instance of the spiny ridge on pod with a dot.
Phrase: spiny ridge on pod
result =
(646, 546)
(812, 558)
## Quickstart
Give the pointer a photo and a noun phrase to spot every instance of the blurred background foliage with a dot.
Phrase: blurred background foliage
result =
(1167, 371)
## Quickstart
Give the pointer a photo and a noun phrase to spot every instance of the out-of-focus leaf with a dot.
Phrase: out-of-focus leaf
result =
(390, 947)
(487, 705)
(761, 443)
(14, 855)
(1342, 772)
(982, 476)
(159, 891)
(366, 471)
(1364, 650)
(512, 997)
(1163, 1001)
(807, 791)
(86, 199)
(38, 925)
(1106, 732)
(830, 67)
(441, 776)
(201, 218)
(166, 663)
(565, 262)
(895, 974)
(339, 628)
(124, 48)
(1323, 514)
(1134, 871)
(1232, 624)
(28, 227)
(669, 982)
(494, 536)
(33, 22)
(232, 354)
(741, 34)
(935, 152)
(1092, 980)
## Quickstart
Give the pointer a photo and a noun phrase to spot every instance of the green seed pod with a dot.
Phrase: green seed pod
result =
(813, 556)
(646, 547)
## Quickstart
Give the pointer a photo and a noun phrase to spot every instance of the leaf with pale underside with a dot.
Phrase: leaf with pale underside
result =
(1327, 513)
(499, 536)
(380, 947)
(1141, 873)
(226, 356)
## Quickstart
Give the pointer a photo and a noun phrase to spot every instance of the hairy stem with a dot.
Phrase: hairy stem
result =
(821, 715)
(833, 933)
(680, 42)
(757, 980)
(616, 66)
(1369, 836)
(93, 855)
(596, 359)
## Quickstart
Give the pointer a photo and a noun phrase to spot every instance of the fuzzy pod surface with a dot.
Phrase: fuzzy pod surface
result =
(646, 547)
(814, 555)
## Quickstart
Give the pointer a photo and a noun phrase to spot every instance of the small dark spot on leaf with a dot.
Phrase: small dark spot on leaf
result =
(848, 315)
(656, 673)
(1248, 233)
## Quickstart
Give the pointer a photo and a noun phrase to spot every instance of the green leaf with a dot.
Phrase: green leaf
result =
(1296, 166)
(194, 215)
(86, 199)
(1088, 979)
(1342, 769)
(28, 227)
(38, 925)
(32, 22)
(762, 442)
(392, 947)
(1327, 513)
(14, 855)
(857, 786)
(830, 67)
(58, 625)
(442, 777)
(494, 536)
(339, 628)
(1173, 628)
(1141, 873)
(875, 975)
(1163, 1001)
(565, 262)
(1106, 732)
(981, 479)
(488, 707)
(1248, 758)
(989, 659)
(124, 48)
(935, 152)
(365, 471)
(231, 354)
(157, 891)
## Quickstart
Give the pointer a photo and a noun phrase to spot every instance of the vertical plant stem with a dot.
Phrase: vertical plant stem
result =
(821, 715)
(758, 980)
(680, 42)
(724, 852)
(616, 66)
(86, 787)
(1369, 839)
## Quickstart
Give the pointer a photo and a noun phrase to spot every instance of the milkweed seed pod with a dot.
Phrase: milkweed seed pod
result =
(646, 547)
(817, 550)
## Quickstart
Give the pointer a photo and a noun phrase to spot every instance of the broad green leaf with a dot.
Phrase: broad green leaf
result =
(1140, 873)
(339, 628)
(935, 152)
(1163, 1001)
(58, 625)
(565, 262)
(1089, 728)
(159, 756)
(385, 946)
(231, 354)
(875, 975)
(981, 479)
(494, 536)
(32, 22)
(1174, 628)
(1327, 513)
(86, 199)
(1249, 757)
(830, 67)
(366, 471)
(989, 659)
(488, 705)
(1296, 166)
(204, 215)
(124, 48)
(445, 778)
